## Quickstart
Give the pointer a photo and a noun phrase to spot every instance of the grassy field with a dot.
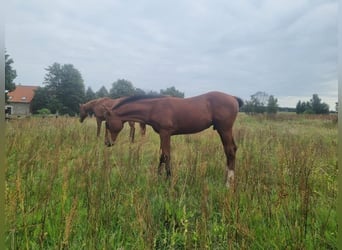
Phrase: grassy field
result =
(66, 190)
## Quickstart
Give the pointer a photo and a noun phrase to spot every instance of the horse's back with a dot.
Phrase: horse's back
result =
(197, 113)
(108, 102)
(210, 104)
(101, 104)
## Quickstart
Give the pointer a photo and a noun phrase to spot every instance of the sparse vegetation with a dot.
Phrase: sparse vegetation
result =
(65, 189)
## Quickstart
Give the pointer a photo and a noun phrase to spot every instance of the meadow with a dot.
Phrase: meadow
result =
(66, 190)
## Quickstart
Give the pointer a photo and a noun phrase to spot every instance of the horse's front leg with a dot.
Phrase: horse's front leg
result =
(165, 154)
(107, 136)
(107, 139)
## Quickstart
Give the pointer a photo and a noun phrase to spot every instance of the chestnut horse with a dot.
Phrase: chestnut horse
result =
(97, 107)
(174, 116)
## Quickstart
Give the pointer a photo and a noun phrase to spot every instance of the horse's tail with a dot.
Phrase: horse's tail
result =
(240, 101)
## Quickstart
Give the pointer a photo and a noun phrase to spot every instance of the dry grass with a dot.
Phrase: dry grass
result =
(66, 190)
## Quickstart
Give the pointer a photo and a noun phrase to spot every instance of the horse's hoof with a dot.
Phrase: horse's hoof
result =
(109, 144)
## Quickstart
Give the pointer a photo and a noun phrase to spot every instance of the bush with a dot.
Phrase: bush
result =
(44, 111)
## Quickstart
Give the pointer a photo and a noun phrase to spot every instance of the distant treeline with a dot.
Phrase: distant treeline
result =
(262, 102)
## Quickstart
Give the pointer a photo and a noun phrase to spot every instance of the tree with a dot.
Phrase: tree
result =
(65, 87)
(41, 100)
(139, 91)
(10, 75)
(102, 92)
(260, 98)
(314, 106)
(152, 92)
(89, 95)
(257, 104)
(304, 107)
(317, 106)
(300, 108)
(247, 108)
(172, 91)
(272, 105)
(121, 88)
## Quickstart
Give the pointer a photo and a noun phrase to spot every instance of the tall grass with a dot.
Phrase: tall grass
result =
(66, 190)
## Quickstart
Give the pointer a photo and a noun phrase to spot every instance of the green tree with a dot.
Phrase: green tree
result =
(272, 105)
(139, 91)
(308, 108)
(247, 108)
(172, 91)
(152, 92)
(121, 88)
(89, 95)
(314, 106)
(102, 92)
(317, 106)
(10, 75)
(41, 100)
(66, 88)
(257, 103)
(300, 108)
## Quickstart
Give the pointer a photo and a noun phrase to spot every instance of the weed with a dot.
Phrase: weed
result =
(66, 190)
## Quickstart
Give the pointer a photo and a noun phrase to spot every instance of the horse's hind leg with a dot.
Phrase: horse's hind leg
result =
(165, 155)
(163, 159)
(230, 152)
(132, 131)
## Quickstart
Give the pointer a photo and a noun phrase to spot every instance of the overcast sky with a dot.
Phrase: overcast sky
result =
(285, 48)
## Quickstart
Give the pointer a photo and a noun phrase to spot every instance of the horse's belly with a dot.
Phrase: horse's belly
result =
(195, 128)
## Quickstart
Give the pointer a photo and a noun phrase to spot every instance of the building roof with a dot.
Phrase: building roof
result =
(23, 94)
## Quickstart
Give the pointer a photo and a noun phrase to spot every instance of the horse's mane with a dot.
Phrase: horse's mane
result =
(134, 98)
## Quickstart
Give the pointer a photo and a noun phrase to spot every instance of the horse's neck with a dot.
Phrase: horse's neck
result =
(139, 113)
(88, 107)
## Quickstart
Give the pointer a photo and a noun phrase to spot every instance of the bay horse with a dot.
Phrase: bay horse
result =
(98, 108)
(174, 116)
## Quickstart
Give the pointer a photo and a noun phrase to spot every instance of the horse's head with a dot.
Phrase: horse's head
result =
(83, 113)
(113, 124)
